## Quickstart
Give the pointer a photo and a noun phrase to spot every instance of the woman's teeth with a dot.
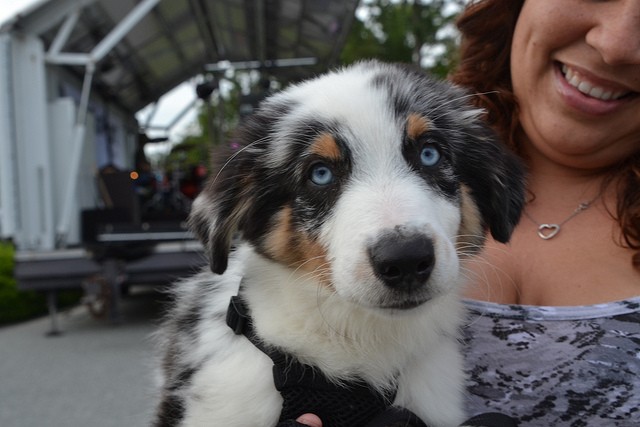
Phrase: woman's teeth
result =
(574, 79)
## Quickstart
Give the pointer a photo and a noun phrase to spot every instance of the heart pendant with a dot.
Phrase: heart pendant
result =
(548, 231)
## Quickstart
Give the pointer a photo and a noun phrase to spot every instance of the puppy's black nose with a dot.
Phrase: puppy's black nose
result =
(403, 262)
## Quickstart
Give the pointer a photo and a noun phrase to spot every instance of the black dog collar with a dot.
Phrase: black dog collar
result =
(305, 389)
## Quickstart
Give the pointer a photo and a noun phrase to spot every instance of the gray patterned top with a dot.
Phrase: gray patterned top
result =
(555, 366)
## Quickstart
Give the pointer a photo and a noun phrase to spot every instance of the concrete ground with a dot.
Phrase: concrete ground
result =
(94, 374)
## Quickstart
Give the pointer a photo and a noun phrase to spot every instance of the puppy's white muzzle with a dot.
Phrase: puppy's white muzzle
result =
(391, 245)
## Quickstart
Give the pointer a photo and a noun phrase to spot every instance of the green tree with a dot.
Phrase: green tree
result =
(18, 305)
(15, 305)
(419, 32)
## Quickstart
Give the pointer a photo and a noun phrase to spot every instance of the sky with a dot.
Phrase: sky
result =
(9, 8)
(171, 104)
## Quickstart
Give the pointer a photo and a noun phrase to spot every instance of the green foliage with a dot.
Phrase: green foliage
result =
(15, 305)
(419, 32)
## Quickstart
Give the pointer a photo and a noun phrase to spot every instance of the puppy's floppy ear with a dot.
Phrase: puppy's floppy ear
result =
(230, 199)
(219, 210)
(496, 179)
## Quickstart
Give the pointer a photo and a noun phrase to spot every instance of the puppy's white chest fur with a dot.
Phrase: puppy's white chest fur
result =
(342, 340)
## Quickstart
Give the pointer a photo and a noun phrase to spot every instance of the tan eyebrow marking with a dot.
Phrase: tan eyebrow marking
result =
(417, 125)
(326, 146)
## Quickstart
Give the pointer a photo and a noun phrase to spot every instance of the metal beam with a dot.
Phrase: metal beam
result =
(260, 30)
(89, 61)
(122, 29)
(345, 26)
(270, 63)
(79, 130)
(69, 59)
(64, 32)
(205, 28)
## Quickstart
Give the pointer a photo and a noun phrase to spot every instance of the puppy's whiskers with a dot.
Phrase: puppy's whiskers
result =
(312, 272)
(488, 275)
(471, 95)
(234, 155)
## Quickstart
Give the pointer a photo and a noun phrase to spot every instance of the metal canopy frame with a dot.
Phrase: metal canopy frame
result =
(132, 52)
(141, 49)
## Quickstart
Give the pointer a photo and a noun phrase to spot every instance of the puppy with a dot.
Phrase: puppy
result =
(358, 195)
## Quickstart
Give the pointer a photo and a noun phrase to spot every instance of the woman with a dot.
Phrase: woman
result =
(558, 338)
(554, 335)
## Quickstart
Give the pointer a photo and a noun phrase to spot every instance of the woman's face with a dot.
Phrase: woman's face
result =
(575, 67)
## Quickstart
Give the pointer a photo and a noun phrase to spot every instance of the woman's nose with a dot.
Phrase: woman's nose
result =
(616, 36)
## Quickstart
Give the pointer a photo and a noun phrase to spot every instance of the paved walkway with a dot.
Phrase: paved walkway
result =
(94, 374)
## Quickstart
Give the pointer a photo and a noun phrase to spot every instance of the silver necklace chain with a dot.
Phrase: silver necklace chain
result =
(549, 231)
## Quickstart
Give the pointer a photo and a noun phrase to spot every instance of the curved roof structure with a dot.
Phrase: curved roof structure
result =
(139, 50)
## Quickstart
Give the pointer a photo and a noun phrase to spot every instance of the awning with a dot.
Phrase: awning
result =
(143, 49)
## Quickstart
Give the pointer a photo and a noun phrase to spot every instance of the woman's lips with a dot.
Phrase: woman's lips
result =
(577, 80)
(589, 95)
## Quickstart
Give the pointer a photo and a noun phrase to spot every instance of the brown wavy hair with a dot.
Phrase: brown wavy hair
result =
(487, 28)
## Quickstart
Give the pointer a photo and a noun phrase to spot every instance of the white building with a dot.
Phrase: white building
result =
(73, 74)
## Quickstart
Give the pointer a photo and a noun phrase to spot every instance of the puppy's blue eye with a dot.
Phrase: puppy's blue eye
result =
(429, 156)
(321, 174)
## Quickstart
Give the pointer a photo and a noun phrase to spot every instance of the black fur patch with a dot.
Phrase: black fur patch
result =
(440, 177)
(170, 412)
